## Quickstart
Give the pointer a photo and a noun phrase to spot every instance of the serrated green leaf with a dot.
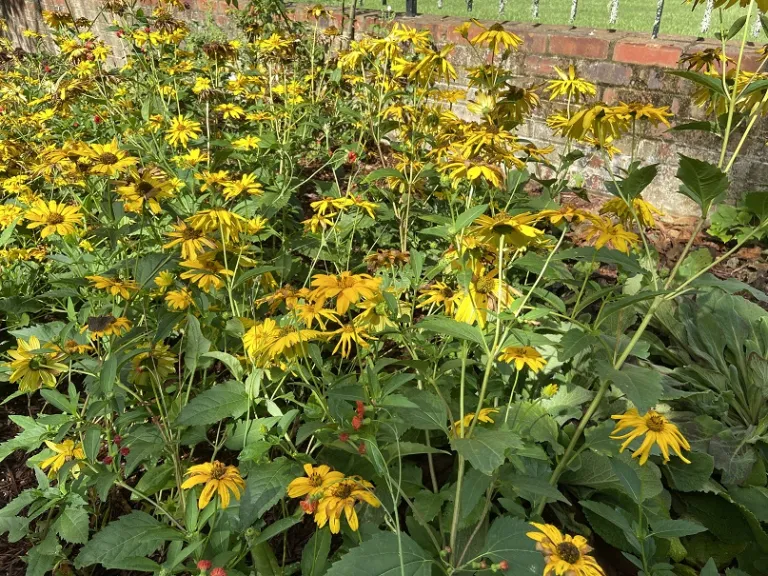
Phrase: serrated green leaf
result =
(232, 363)
(666, 528)
(629, 479)
(314, 556)
(264, 487)
(132, 536)
(690, 477)
(486, 449)
(573, 342)
(195, 344)
(507, 540)
(222, 401)
(642, 386)
(633, 185)
(385, 554)
(72, 524)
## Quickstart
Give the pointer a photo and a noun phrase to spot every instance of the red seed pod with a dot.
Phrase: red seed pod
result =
(360, 408)
(351, 157)
(97, 119)
(503, 565)
(204, 565)
(344, 436)
(218, 572)
(357, 422)
(107, 460)
(117, 439)
(125, 451)
(362, 449)
(309, 506)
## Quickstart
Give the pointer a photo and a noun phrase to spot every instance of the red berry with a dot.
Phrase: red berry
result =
(89, 45)
(309, 506)
(503, 565)
(107, 460)
(344, 436)
(204, 565)
(351, 157)
(360, 408)
(117, 439)
(75, 124)
(357, 422)
(120, 33)
(218, 572)
(97, 119)
(125, 451)
(362, 449)
(47, 69)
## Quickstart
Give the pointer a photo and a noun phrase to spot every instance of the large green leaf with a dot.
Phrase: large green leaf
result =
(431, 413)
(634, 184)
(195, 344)
(264, 487)
(385, 554)
(573, 342)
(507, 540)
(314, 556)
(72, 524)
(690, 477)
(215, 404)
(702, 182)
(713, 84)
(641, 385)
(450, 327)
(486, 449)
(132, 536)
(29, 438)
(666, 528)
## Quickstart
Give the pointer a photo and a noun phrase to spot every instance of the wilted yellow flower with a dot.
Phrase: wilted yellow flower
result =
(657, 430)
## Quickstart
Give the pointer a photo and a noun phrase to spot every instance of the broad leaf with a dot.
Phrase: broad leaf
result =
(72, 524)
(641, 385)
(215, 404)
(195, 344)
(666, 528)
(486, 449)
(633, 185)
(264, 487)
(507, 540)
(450, 327)
(573, 342)
(314, 556)
(702, 182)
(385, 554)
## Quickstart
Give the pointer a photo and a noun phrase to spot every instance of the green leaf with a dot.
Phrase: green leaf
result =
(702, 182)
(108, 375)
(91, 442)
(431, 413)
(629, 479)
(195, 344)
(753, 498)
(695, 262)
(486, 449)
(736, 27)
(30, 438)
(615, 519)
(232, 363)
(276, 528)
(466, 218)
(713, 84)
(314, 556)
(132, 536)
(633, 185)
(507, 540)
(690, 477)
(264, 487)
(154, 479)
(384, 173)
(757, 204)
(573, 342)
(666, 528)
(385, 554)
(641, 385)
(72, 524)
(215, 404)
(450, 327)
(710, 569)
(533, 486)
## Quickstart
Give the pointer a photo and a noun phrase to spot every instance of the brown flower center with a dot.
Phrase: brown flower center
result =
(484, 285)
(315, 479)
(108, 158)
(218, 471)
(655, 422)
(342, 490)
(347, 282)
(54, 218)
(191, 234)
(569, 552)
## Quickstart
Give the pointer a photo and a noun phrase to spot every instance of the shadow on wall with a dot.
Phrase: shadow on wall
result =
(22, 15)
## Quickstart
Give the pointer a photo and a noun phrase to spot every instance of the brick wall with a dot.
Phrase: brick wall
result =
(625, 66)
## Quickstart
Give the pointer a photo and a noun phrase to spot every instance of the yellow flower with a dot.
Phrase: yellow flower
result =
(549, 390)
(347, 288)
(191, 158)
(54, 217)
(182, 130)
(564, 554)
(439, 294)
(179, 299)
(232, 111)
(64, 452)
(106, 325)
(248, 142)
(8, 214)
(483, 416)
(193, 242)
(657, 429)
(317, 479)
(115, 287)
(613, 235)
(217, 477)
(266, 342)
(348, 334)
(156, 362)
(516, 230)
(33, 365)
(108, 159)
(229, 224)
(342, 497)
(483, 295)
(569, 85)
(163, 281)
(319, 222)
(246, 184)
(331, 204)
(644, 211)
(496, 37)
(206, 272)
(311, 312)
(523, 356)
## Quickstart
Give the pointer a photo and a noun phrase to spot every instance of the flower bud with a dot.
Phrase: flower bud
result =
(218, 572)
(203, 565)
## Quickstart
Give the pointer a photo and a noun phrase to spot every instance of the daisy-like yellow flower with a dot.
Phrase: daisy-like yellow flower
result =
(644, 211)
(63, 453)
(564, 554)
(319, 222)
(229, 224)
(314, 312)
(266, 342)
(348, 334)
(8, 214)
(191, 159)
(53, 217)
(228, 110)
(523, 356)
(483, 295)
(163, 281)
(484, 415)
(438, 294)
(496, 38)
(182, 130)
(247, 184)
(206, 272)
(115, 287)
(606, 233)
(179, 299)
(218, 478)
(347, 288)
(657, 430)
(342, 497)
(192, 241)
(549, 390)
(569, 85)
(516, 230)
(330, 204)
(248, 142)
(317, 479)
(158, 361)
(33, 366)
(108, 159)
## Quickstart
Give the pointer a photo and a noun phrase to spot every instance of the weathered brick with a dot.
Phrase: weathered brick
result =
(578, 46)
(540, 65)
(647, 54)
(607, 73)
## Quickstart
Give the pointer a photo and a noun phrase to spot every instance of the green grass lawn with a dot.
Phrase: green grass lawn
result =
(635, 15)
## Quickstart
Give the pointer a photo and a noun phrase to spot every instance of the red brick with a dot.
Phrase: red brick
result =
(607, 73)
(535, 42)
(578, 46)
(647, 54)
(540, 65)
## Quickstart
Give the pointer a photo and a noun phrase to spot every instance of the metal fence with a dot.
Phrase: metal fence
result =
(411, 9)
